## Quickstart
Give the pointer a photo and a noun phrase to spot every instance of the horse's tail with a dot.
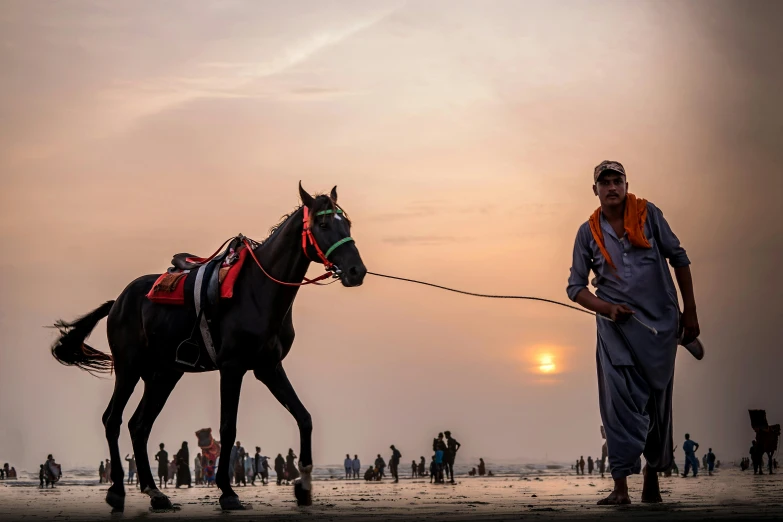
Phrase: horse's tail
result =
(70, 348)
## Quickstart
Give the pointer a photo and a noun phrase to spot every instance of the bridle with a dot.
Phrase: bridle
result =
(308, 237)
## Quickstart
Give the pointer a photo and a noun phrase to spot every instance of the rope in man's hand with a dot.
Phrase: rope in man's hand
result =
(522, 297)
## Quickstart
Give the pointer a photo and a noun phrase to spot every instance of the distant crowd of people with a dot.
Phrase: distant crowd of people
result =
(709, 461)
(7, 472)
(580, 465)
(441, 465)
(244, 468)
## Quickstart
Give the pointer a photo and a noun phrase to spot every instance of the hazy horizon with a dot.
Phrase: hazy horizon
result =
(461, 137)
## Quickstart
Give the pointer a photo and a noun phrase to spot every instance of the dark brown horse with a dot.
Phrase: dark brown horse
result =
(255, 334)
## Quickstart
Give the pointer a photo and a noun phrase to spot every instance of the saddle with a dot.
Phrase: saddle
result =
(198, 284)
(224, 269)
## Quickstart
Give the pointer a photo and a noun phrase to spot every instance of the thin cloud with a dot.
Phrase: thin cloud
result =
(236, 79)
(304, 49)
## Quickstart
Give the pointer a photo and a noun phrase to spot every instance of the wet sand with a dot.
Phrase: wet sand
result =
(728, 495)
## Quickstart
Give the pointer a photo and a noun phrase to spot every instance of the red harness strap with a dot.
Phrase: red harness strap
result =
(307, 281)
(307, 235)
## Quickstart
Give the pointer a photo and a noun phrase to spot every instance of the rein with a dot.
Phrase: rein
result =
(490, 296)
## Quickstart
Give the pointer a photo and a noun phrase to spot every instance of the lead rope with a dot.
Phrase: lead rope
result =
(490, 296)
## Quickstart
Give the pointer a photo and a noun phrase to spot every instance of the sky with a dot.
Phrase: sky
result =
(461, 137)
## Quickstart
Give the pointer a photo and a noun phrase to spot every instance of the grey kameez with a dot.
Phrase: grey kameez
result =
(635, 366)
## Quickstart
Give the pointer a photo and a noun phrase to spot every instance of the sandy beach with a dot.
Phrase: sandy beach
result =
(729, 494)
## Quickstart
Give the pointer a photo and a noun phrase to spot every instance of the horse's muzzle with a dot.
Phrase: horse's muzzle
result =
(353, 275)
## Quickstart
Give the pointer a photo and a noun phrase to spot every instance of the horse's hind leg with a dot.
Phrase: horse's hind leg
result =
(157, 389)
(112, 420)
(277, 382)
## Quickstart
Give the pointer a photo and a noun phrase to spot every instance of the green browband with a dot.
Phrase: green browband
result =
(325, 212)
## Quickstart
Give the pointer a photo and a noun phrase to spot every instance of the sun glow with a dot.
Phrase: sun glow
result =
(546, 363)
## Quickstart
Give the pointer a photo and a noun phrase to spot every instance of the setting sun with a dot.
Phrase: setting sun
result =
(547, 364)
(545, 360)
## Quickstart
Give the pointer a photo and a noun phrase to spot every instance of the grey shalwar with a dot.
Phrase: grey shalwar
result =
(635, 366)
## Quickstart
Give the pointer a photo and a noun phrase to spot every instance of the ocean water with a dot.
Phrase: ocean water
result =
(84, 476)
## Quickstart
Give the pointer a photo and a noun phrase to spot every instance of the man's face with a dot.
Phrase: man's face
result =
(611, 189)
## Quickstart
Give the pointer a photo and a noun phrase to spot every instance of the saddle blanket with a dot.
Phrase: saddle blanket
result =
(169, 288)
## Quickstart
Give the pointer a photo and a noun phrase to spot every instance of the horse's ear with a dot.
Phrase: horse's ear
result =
(333, 194)
(307, 199)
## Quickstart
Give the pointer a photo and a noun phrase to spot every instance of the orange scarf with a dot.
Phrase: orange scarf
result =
(633, 222)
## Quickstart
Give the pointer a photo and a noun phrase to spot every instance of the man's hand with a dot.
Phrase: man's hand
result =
(619, 313)
(690, 325)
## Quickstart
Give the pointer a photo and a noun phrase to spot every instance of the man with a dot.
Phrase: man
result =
(440, 448)
(163, 466)
(198, 469)
(357, 466)
(260, 466)
(394, 463)
(690, 447)
(626, 243)
(710, 462)
(381, 465)
(237, 455)
(451, 454)
(757, 458)
(348, 465)
(590, 465)
(131, 467)
(582, 464)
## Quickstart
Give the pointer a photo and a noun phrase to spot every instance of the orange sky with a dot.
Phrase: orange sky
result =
(462, 137)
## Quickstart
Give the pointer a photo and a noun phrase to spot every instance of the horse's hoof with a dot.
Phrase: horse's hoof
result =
(116, 501)
(304, 497)
(161, 502)
(231, 504)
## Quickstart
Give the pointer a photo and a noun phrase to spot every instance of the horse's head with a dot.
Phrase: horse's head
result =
(331, 233)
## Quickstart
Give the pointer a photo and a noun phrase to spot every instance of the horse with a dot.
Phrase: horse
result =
(256, 333)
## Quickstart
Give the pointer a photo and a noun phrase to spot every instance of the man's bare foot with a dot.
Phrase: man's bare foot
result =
(651, 491)
(615, 499)
(619, 496)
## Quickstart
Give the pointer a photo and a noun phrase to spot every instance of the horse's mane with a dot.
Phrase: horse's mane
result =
(322, 202)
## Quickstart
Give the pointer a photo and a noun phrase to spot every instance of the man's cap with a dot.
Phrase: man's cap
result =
(605, 165)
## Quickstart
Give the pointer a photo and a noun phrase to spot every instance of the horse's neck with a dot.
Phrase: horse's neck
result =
(282, 256)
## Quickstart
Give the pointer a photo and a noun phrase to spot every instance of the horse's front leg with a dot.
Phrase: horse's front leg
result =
(277, 382)
(230, 387)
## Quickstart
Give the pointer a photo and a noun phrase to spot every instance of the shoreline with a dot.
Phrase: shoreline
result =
(729, 495)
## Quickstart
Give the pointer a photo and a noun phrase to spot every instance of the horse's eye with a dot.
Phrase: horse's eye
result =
(323, 225)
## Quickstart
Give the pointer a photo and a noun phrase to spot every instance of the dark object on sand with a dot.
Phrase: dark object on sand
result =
(251, 331)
